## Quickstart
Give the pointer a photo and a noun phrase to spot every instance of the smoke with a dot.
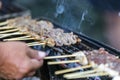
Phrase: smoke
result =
(60, 7)
(82, 18)
(73, 14)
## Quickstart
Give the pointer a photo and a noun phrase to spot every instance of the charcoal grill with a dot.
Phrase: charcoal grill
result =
(47, 71)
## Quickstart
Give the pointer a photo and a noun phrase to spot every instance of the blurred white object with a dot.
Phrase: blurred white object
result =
(31, 78)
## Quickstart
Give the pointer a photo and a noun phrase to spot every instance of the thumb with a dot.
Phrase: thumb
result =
(35, 64)
(34, 54)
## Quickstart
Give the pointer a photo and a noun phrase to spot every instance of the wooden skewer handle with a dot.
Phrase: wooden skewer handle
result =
(72, 69)
(63, 62)
(3, 23)
(7, 35)
(35, 44)
(62, 56)
(95, 70)
(15, 33)
(80, 73)
(2, 32)
(26, 36)
(17, 39)
(88, 75)
(6, 27)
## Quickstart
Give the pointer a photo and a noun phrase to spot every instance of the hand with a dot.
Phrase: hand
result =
(17, 60)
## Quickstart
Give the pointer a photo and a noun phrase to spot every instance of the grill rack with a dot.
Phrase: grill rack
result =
(86, 44)
(47, 72)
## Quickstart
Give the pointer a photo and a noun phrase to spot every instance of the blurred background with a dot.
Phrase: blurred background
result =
(98, 19)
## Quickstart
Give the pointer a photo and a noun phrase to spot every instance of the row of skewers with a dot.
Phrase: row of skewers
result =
(101, 62)
(42, 31)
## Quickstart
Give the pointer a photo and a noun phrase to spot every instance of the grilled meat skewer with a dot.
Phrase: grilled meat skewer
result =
(44, 29)
(109, 62)
(79, 56)
(103, 57)
(26, 31)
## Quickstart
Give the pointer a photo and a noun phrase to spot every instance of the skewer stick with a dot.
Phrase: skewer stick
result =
(24, 31)
(62, 56)
(79, 57)
(12, 34)
(90, 65)
(81, 73)
(26, 36)
(18, 33)
(63, 62)
(35, 44)
(10, 28)
(88, 75)
(7, 31)
(17, 39)
(6, 27)
(96, 69)
(72, 69)
(4, 23)
(15, 33)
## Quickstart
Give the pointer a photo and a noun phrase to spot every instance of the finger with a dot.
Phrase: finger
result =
(35, 64)
(35, 54)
